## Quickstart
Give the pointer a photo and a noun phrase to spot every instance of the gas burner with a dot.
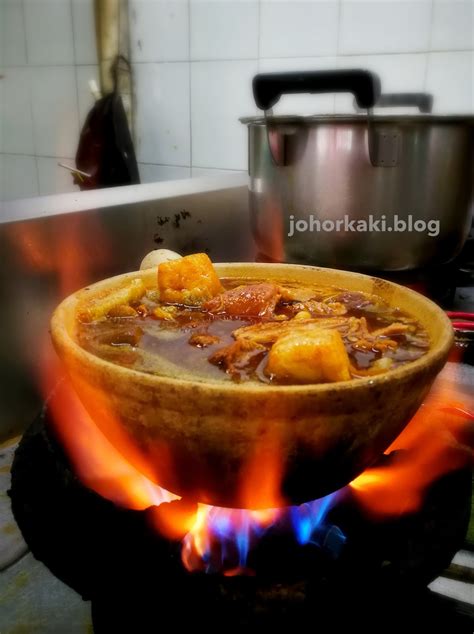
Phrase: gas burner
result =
(375, 569)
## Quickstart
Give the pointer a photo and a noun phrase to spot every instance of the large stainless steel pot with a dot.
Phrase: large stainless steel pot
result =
(313, 179)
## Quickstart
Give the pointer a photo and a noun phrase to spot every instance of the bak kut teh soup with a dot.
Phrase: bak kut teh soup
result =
(281, 332)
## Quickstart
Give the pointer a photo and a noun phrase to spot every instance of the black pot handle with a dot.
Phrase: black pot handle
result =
(363, 84)
(421, 100)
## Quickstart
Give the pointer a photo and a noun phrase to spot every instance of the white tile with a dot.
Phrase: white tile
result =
(159, 30)
(224, 30)
(55, 117)
(150, 173)
(49, 32)
(450, 80)
(304, 104)
(453, 26)
(204, 172)
(2, 32)
(54, 179)
(398, 73)
(12, 34)
(464, 558)
(298, 29)
(162, 113)
(384, 26)
(221, 93)
(20, 178)
(2, 109)
(453, 588)
(83, 22)
(16, 120)
(84, 95)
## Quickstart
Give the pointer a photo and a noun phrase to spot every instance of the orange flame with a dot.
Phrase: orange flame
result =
(62, 247)
(439, 439)
(270, 231)
(96, 461)
(63, 250)
(263, 474)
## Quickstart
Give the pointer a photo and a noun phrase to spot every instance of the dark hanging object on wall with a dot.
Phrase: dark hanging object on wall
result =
(105, 152)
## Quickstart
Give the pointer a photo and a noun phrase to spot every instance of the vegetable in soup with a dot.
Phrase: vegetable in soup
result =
(247, 330)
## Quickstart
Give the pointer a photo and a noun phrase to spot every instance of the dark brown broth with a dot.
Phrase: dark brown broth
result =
(135, 342)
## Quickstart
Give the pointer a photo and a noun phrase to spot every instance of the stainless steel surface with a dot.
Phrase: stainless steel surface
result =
(319, 167)
(309, 120)
(59, 244)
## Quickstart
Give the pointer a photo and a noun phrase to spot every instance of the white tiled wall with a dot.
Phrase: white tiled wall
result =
(414, 45)
(48, 26)
(47, 55)
(234, 29)
(298, 29)
(216, 104)
(384, 27)
(162, 94)
(193, 61)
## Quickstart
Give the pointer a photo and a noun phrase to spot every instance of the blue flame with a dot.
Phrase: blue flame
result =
(233, 533)
(230, 534)
(307, 518)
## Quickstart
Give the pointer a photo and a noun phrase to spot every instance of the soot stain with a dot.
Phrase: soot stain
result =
(181, 215)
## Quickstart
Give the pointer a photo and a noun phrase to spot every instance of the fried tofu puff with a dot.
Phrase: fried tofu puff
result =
(191, 280)
(316, 356)
(106, 301)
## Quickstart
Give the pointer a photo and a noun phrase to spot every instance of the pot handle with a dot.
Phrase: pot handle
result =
(363, 84)
(421, 100)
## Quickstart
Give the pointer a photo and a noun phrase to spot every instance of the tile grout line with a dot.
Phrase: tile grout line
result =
(30, 91)
(250, 59)
(430, 42)
(25, 43)
(259, 34)
(190, 98)
(220, 169)
(75, 67)
(338, 45)
(247, 59)
(40, 156)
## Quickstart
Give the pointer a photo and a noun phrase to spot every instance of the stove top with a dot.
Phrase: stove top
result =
(113, 557)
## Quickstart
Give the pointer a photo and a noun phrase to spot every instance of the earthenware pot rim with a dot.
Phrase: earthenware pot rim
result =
(437, 353)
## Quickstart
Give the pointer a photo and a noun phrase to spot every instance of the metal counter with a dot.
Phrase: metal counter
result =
(54, 245)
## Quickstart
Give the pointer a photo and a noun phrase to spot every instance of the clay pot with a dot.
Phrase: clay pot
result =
(235, 444)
